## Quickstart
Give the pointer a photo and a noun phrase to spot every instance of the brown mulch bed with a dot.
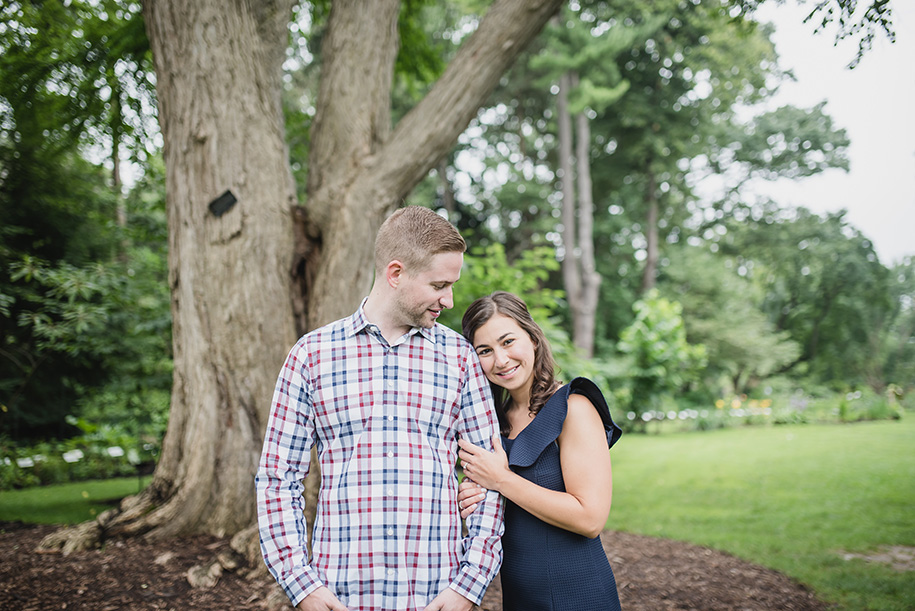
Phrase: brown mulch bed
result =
(652, 574)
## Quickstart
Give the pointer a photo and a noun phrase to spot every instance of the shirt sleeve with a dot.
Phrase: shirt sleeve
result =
(284, 464)
(482, 547)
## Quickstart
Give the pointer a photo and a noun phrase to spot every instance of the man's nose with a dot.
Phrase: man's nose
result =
(447, 300)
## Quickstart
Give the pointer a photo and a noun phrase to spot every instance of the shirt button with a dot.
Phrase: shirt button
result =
(390, 492)
(391, 454)
(391, 571)
(390, 383)
(391, 531)
(391, 418)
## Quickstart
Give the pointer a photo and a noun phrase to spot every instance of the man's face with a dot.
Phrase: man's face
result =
(422, 296)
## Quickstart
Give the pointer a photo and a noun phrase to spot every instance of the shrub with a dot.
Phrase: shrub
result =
(101, 452)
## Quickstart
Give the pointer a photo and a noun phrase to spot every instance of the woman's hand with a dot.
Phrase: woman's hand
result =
(469, 494)
(487, 469)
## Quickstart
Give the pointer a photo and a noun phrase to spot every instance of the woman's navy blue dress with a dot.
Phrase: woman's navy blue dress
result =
(546, 568)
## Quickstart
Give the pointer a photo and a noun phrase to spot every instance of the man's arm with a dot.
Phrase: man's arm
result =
(284, 464)
(482, 547)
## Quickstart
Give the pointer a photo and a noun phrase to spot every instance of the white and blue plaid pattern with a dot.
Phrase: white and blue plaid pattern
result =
(385, 420)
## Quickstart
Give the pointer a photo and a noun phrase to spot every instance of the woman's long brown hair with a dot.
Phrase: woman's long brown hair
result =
(544, 382)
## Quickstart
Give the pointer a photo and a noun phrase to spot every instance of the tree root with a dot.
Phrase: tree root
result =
(79, 538)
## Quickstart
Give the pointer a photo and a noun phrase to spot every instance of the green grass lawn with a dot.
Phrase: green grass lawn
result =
(66, 503)
(792, 498)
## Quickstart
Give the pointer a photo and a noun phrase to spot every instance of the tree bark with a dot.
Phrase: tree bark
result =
(247, 280)
(571, 279)
(584, 323)
(579, 271)
(218, 67)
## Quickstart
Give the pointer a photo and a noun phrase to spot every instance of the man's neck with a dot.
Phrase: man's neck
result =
(378, 315)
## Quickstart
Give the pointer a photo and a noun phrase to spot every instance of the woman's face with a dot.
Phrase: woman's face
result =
(506, 352)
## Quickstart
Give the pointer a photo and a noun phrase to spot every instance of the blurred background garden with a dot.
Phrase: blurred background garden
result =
(760, 355)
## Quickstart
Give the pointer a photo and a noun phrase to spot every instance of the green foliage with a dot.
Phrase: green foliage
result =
(721, 310)
(102, 451)
(660, 360)
(73, 85)
(74, 331)
(823, 285)
(789, 142)
(895, 347)
(486, 269)
(572, 46)
(851, 21)
(75, 73)
(420, 58)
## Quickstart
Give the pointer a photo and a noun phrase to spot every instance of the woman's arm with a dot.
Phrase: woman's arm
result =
(585, 505)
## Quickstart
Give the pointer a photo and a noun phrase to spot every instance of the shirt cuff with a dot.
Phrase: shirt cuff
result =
(300, 583)
(470, 583)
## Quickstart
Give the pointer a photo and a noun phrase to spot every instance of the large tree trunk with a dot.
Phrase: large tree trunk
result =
(218, 67)
(245, 282)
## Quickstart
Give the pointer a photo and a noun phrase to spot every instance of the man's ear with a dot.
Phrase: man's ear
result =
(393, 272)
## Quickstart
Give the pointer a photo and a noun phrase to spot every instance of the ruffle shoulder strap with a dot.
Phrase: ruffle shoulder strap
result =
(547, 425)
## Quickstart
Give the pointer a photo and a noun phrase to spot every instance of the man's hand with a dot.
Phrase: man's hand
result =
(449, 600)
(321, 599)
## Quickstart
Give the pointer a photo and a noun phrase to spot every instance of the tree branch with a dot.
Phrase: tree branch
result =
(435, 123)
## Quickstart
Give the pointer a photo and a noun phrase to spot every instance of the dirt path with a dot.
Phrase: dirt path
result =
(652, 575)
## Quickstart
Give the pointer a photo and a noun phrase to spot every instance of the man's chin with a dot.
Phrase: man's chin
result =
(429, 319)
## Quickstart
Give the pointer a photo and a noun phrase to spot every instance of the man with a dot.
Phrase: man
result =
(384, 394)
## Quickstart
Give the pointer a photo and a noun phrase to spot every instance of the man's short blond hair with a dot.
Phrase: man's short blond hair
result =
(412, 235)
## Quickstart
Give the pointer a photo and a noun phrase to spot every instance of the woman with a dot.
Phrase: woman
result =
(554, 469)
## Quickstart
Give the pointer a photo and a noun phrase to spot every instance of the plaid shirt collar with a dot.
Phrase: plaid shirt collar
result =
(358, 323)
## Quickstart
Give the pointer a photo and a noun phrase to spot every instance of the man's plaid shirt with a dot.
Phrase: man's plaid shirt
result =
(385, 420)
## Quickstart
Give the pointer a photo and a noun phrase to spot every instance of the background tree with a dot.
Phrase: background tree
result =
(589, 81)
(721, 311)
(823, 284)
(895, 345)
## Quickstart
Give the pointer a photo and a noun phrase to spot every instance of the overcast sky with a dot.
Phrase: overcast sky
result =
(875, 103)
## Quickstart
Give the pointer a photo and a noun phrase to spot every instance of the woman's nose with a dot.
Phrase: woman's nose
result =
(500, 357)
